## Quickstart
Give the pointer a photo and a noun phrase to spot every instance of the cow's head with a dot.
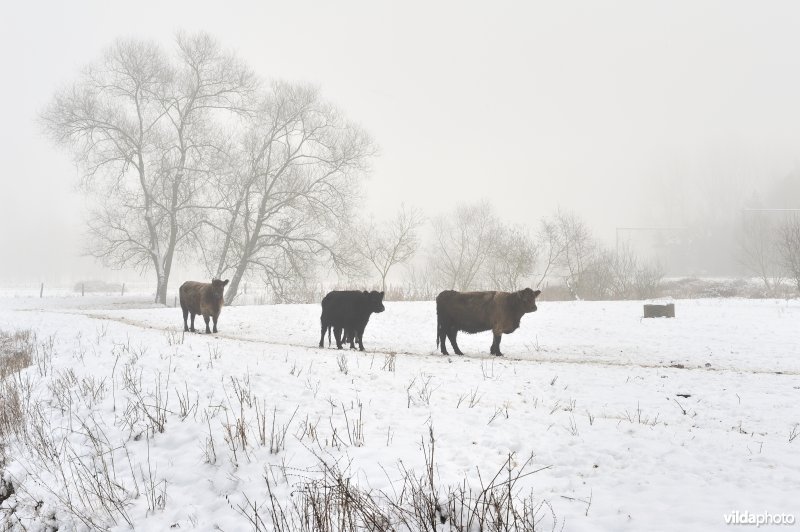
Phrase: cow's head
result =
(218, 287)
(528, 299)
(375, 301)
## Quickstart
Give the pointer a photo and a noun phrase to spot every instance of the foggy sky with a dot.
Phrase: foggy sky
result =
(599, 108)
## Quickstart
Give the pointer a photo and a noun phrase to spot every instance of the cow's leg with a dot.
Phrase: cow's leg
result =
(451, 334)
(205, 319)
(337, 333)
(352, 335)
(360, 332)
(442, 339)
(192, 326)
(215, 317)
(322, 336)
(495, 349)
(185, 317)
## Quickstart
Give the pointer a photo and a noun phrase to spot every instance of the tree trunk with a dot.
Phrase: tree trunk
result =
(233, 286)
(161, 290)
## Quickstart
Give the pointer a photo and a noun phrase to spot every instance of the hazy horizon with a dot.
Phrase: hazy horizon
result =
(636, 114)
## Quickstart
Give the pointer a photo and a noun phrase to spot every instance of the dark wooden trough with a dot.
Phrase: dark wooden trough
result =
(659, 311)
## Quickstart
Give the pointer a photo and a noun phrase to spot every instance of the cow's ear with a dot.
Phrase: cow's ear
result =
(536, 293)
(225, 282)
(381, 294)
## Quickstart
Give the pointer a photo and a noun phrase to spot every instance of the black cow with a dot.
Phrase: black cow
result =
(348, 310)
(474, 312)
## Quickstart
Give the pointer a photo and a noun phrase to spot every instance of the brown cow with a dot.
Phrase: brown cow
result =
(202, 298)
(474, 312)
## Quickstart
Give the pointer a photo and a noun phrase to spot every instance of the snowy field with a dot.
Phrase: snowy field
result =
(632, 424)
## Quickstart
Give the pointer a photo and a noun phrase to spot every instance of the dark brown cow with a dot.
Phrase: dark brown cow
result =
(202, 298)
(474, 312)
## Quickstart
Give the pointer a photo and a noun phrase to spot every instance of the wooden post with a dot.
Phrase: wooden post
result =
(83, 289)
(123, 289)
(175, 302)
(41, 290)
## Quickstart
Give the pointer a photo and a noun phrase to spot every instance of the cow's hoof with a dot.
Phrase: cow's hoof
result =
(321, 346)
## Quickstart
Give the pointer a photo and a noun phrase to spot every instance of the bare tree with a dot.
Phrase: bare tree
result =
(759, 250)
(281, 207)
(385, 245)
(463, 243)
(512, 260)
(141, 124)
(789, 247)
(549, 241)
(577, 252)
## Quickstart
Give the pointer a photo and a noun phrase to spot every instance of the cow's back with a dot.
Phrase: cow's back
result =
(340, 307)
(191, 295)
(190, 287)
(468, 311)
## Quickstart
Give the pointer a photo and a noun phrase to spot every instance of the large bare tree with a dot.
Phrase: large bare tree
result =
(281, 206)
(393, 242)
(142, 124)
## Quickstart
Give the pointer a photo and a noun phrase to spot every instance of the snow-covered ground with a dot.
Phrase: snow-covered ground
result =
(662, 424)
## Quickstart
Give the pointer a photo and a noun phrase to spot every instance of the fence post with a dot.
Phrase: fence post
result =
(83, 289)
(41, 290)
(123, 289)
(175, 302)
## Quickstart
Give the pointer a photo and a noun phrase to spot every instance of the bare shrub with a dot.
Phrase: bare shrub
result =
(16, 353)
(389, 362)
(85, 481)
(146, 406)
(621, 274)
(342, 362)
(336, 502)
